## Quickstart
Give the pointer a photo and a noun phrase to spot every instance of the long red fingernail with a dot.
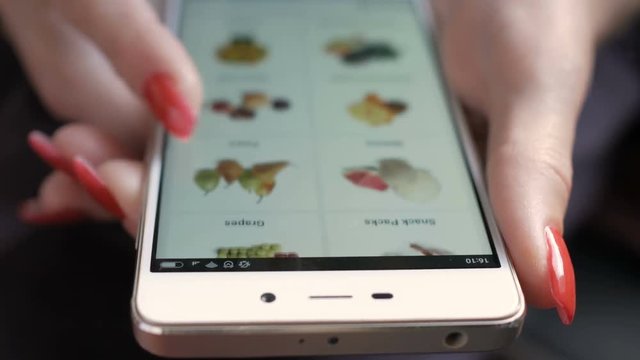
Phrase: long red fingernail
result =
(44, 148)
(91, 181)
(561, 275)
(31, 213)
(169, 105)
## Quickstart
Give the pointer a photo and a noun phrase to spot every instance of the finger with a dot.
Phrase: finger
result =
(71, 76)
(124, 178)
(87, 175)
(536, 86)
(479, 131)
(78, 147)
(529, 175)
(60, 200)
(149, 59)
(42, 145)
(31, 212)
(131, 226)
(88, 141)
(76, 139)
(89, 147)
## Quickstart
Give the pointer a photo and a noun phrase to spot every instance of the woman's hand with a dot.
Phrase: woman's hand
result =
(110, 67)
(525, 67)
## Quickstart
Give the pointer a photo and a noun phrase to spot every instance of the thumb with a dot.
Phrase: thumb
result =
(533, 108)
(529, 175)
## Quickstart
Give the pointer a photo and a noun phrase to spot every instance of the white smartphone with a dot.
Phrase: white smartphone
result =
(329, 201)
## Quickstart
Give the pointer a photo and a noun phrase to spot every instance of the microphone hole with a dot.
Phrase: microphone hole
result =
(456, 340)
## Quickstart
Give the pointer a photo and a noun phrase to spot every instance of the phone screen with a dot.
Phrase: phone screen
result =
(325, 143)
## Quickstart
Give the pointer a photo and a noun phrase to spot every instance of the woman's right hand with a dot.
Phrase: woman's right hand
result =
(525, 66)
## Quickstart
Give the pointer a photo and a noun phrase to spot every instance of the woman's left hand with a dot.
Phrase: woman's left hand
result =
(108, 69)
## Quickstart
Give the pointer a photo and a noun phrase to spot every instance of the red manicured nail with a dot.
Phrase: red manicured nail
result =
(44, 148)
(30, 213)
(561, 275)
(169, 105)
(91, 181)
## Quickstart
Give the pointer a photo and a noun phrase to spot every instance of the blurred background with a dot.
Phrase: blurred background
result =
(65, 291)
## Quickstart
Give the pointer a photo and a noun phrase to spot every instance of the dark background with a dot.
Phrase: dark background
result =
(65, 291)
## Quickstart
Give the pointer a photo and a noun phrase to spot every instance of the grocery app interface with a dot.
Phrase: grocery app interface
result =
(324, 143)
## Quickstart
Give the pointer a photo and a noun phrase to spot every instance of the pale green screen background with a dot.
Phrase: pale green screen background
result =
(340, 150)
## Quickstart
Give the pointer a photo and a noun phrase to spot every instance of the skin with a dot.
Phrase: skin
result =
(88, 61)
(526, 73)
(522, 69)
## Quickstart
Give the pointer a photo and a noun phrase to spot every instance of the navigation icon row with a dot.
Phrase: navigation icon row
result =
(204, 264)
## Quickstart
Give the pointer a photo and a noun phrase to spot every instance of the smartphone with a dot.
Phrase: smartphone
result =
(329, 201)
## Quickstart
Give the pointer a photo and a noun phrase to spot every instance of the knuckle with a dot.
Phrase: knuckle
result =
(543, 160)
(74, 131)
(60, 104)
(58, 107)
(53, 191)
(557, 170)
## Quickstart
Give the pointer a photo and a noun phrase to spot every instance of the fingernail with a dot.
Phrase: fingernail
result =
(169, 105)
(31, 213)
(561, 275)
(91, 181)
(41, 144)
